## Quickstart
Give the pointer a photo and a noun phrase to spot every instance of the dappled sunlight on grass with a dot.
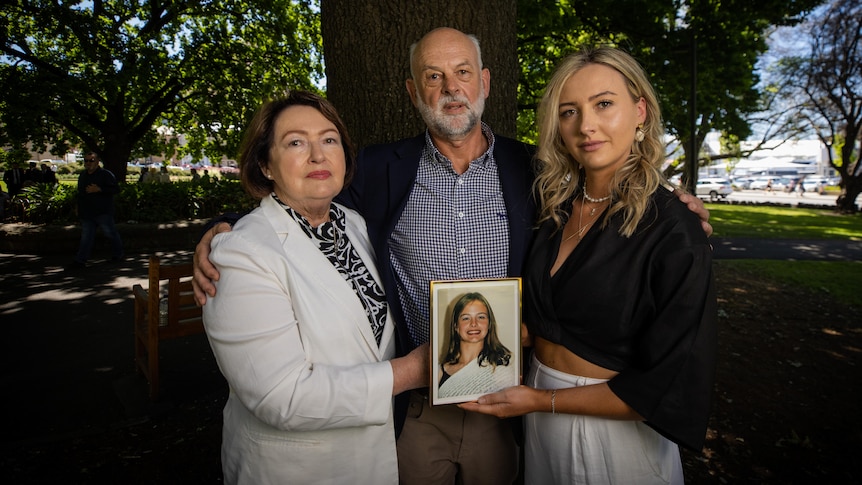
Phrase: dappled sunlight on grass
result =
(783, 222)
(837, 279)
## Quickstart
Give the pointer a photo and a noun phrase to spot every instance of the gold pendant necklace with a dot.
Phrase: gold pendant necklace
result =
(582, 228)
(580, 232)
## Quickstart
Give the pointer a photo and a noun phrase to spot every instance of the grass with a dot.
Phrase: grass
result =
(768, 222)
(835, 279)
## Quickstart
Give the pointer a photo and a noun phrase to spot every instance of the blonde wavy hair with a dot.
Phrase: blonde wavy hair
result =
(559, 174)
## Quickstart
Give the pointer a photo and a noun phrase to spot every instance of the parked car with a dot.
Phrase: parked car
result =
(778, 183)
(817, 183)
(814, 180)
(742, 183)
(715, 188)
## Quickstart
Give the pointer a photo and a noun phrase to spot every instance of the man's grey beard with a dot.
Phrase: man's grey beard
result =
(452, 126)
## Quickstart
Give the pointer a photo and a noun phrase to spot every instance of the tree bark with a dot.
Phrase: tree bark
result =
(366, 47)
(847, 200)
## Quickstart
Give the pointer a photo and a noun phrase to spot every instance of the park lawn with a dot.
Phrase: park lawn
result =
(770, 222)
(837, 279)
(833, 279)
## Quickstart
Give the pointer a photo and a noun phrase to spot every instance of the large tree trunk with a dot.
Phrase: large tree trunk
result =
(366, 45)
(116, 158)
(116, 150)
(847, 200)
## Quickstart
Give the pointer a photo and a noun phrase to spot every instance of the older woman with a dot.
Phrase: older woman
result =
(300, 327)
(476, 362)
(619, 294)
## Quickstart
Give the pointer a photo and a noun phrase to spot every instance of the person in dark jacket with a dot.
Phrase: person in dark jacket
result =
(48, 175)
(14, 178)
(96, 189)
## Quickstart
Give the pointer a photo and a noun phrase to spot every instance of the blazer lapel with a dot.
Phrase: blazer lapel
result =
(516, 177)
(402, 174)
(358, 235)
(315, 270)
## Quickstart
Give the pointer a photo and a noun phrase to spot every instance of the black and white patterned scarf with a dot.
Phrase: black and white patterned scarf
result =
(331, 238)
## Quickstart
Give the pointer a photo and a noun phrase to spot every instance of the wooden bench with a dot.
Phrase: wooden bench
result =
(177, 317)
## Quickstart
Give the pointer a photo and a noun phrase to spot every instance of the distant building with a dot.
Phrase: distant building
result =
(793, 157)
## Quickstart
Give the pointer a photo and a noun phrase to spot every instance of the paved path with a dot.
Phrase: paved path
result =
(787, 249)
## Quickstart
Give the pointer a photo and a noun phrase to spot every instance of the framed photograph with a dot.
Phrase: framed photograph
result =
(475, 338)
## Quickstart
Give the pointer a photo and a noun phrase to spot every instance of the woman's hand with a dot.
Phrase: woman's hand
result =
(512, 401)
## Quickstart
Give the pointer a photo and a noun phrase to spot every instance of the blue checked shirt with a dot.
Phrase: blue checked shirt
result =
(453, 227)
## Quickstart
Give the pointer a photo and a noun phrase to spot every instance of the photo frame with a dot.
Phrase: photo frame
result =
(456, 376)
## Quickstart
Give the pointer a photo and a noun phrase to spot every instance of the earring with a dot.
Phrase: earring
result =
(639, 133)
(268, 175)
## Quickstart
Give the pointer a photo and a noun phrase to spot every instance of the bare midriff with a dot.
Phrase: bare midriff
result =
(562, 359)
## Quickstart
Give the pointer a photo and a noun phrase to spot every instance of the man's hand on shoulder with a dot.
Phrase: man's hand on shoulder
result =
(205, 273)
(695, 205)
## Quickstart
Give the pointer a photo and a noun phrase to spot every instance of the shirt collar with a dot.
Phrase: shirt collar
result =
(481, 161)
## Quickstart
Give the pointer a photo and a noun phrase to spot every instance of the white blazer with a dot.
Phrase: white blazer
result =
(310, 389)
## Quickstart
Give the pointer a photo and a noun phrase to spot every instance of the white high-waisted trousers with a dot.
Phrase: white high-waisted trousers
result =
(570, 448)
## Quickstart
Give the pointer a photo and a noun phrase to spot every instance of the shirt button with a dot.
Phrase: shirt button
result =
(460, 214)
(462, 250)
(460, 181)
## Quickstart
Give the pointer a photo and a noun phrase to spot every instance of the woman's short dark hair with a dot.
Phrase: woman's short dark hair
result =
(260, 135)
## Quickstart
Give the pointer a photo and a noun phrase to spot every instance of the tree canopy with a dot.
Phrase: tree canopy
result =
(824, 76)
(122, 77)
(709, 47)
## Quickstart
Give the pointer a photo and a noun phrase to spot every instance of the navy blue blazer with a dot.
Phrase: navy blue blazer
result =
(381, 186)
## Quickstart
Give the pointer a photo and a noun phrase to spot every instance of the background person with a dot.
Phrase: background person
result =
(14, 178)
(33, 175)
(149, 176)
(619, 295)
(4, 197)
(475, 362)
(300, 327)
(96, 189)
(48, 175)
(164, 175)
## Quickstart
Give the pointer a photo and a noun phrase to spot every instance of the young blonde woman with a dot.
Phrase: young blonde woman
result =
(619, 297)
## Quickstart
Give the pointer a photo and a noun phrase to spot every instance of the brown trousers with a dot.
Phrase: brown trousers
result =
(447, 445)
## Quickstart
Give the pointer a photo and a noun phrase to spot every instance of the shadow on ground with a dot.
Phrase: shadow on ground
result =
(71, 387)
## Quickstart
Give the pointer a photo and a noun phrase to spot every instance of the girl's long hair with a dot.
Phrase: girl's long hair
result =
(493, 351)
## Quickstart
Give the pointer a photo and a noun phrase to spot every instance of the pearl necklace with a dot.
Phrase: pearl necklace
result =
(593, 199)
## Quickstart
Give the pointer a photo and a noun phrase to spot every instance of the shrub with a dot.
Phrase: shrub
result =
(45, 203)
(142, 202)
